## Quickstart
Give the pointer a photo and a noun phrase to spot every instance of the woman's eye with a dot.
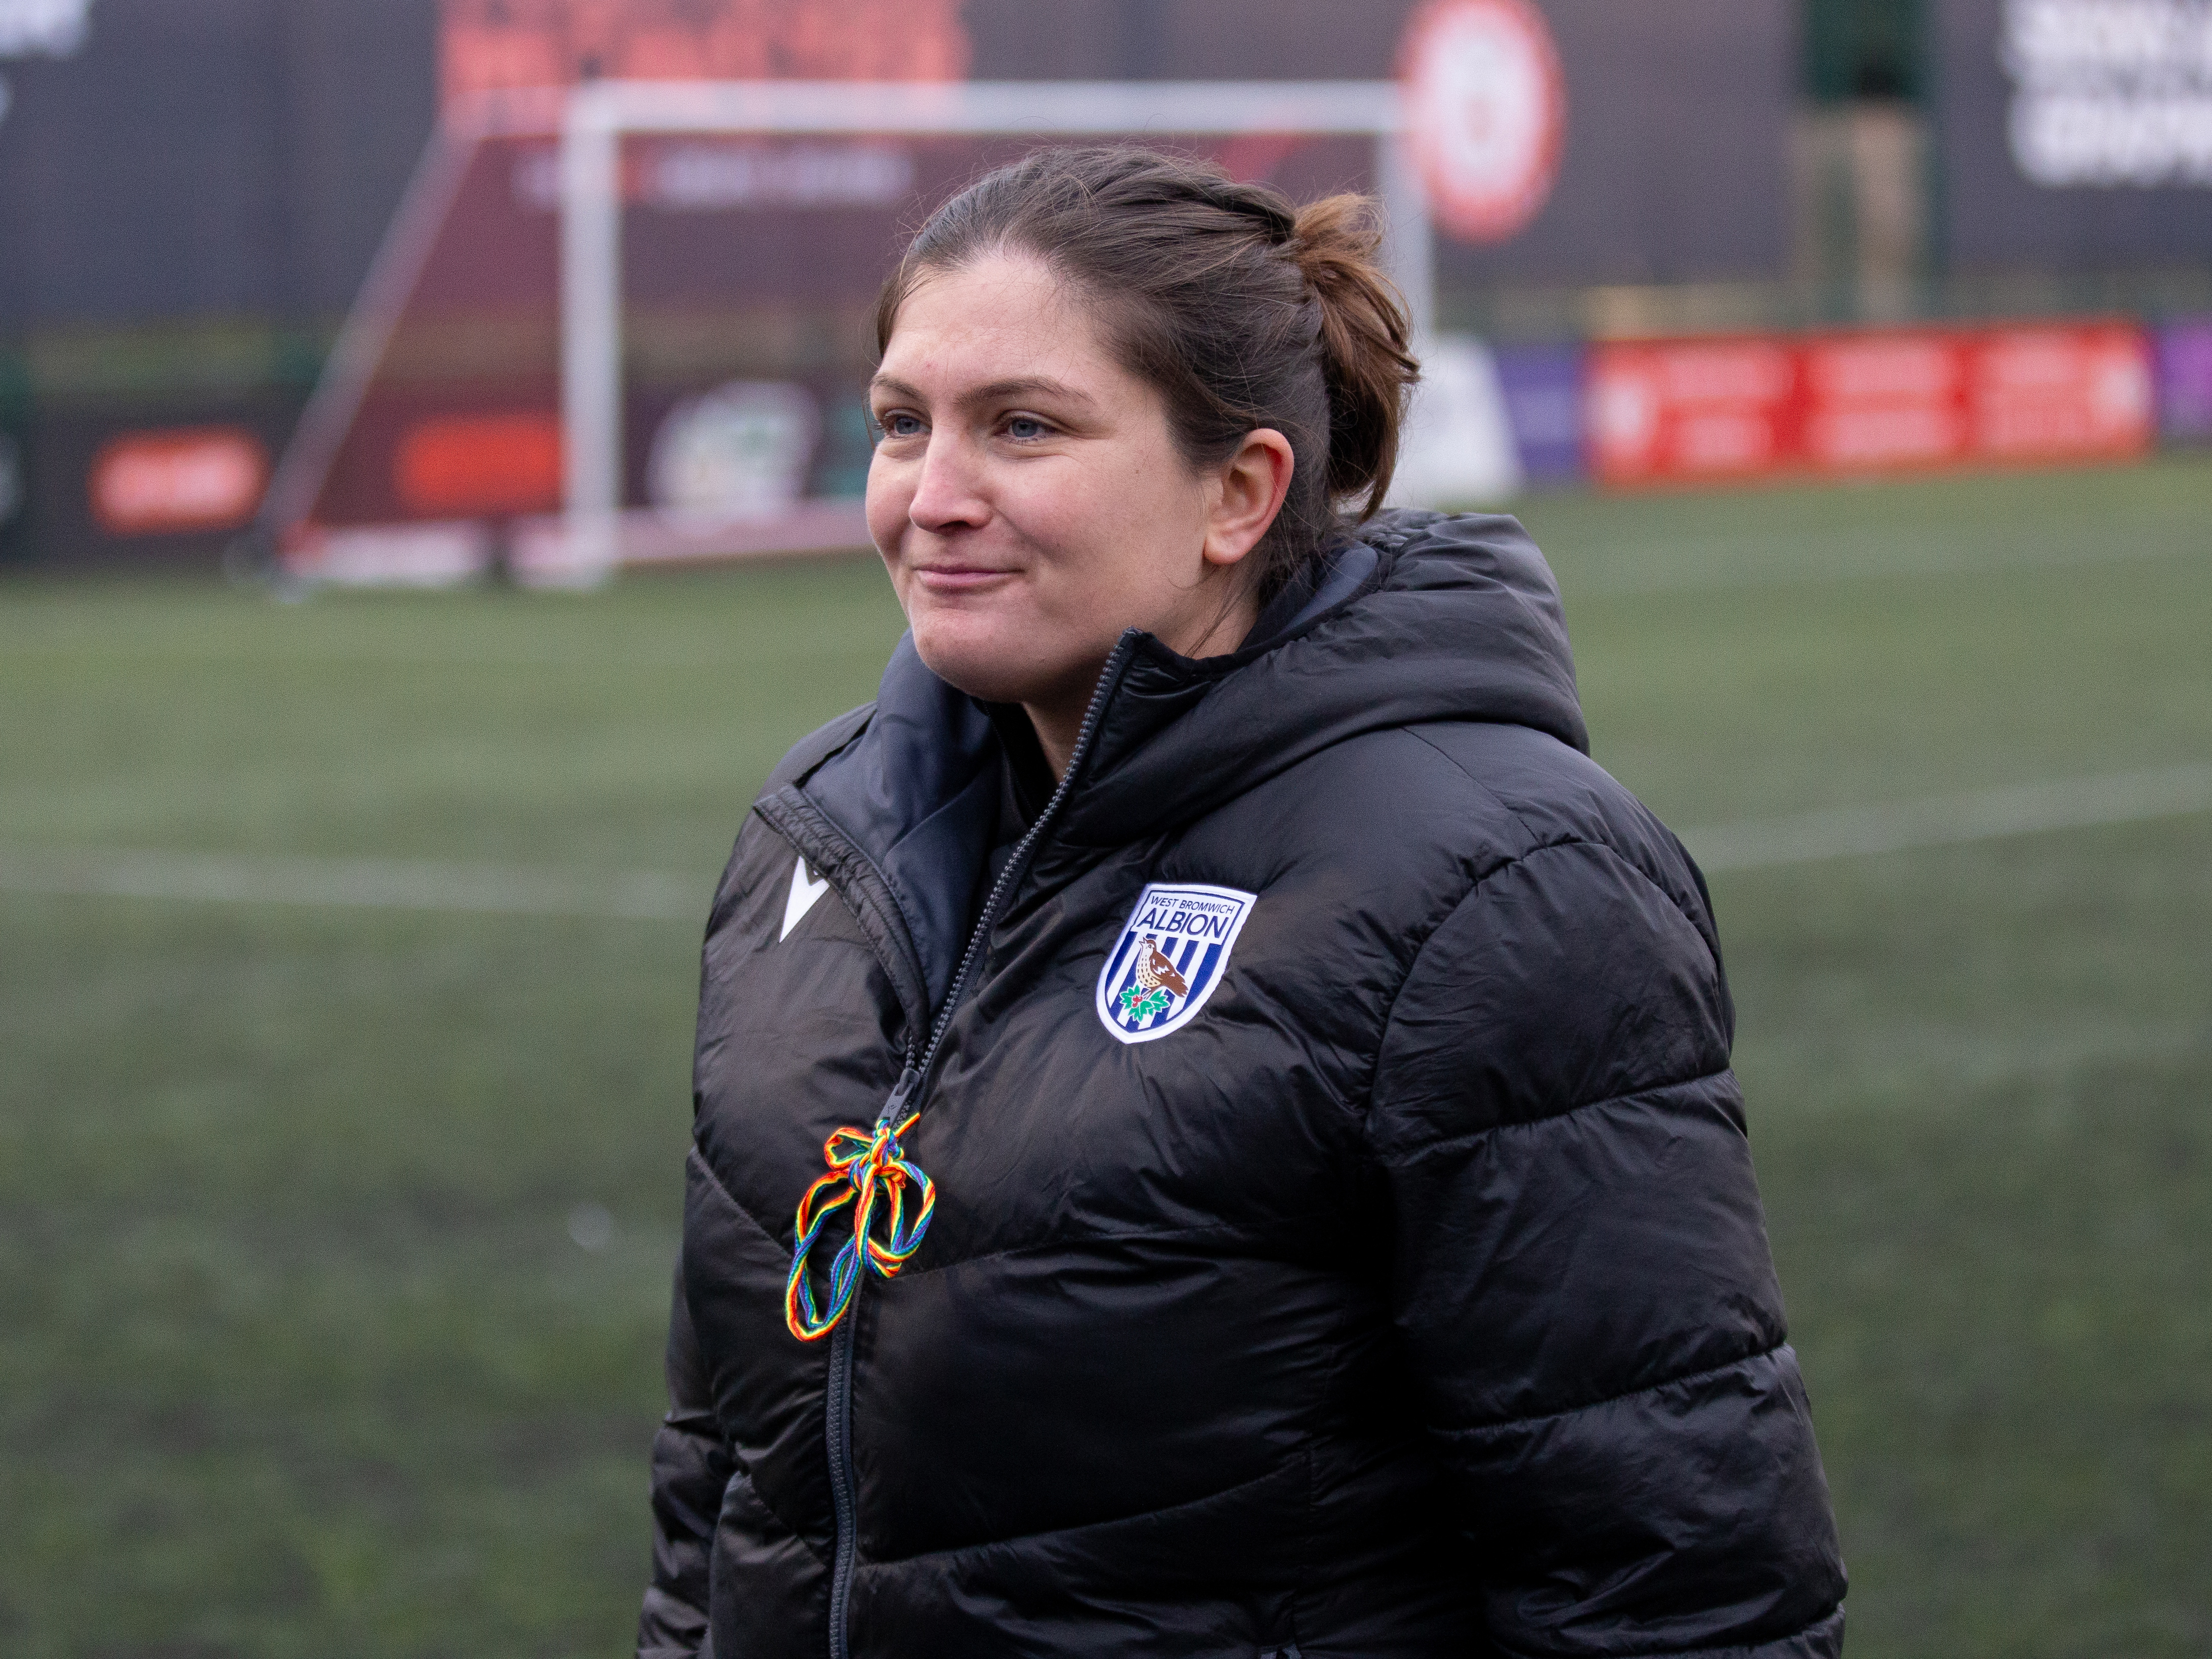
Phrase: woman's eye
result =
(899, 424)
(1026, 427)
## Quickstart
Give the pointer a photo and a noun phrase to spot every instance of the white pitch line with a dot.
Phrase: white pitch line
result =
(371, 884)
(1741, 562)
(659, 896)
(1945, 820)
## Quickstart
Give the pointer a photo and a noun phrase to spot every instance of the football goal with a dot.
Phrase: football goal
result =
(624, 323)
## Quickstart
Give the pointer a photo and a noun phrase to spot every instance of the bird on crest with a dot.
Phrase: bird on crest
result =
(1154, 969)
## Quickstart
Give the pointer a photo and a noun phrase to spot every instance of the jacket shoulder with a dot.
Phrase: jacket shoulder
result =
(1480, 792)
(817, 746)
(751, 856)
(1415, 820)
(1554, 794)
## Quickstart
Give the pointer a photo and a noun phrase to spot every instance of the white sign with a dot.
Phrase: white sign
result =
(739, 452)
(1457, 449)
(718, 175)
(2111, 92)
(703, 177)
(1486, 110)
(40, 28)
(44, 28)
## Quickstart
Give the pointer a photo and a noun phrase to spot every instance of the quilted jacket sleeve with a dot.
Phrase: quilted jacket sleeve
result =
(691, 1466)
(1582, 1281)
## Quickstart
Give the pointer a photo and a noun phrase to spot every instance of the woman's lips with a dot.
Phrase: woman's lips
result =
(959, 577)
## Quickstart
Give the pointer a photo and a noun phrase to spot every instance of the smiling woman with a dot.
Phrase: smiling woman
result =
(1263, 1169)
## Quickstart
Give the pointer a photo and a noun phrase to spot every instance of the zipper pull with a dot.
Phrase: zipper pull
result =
(895, 1107)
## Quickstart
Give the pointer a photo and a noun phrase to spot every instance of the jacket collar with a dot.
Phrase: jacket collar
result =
(1460, 620)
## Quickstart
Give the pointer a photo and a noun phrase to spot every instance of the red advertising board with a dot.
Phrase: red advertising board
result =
(177, 480)
(487, 46)
(452, 465)
(1698, 410)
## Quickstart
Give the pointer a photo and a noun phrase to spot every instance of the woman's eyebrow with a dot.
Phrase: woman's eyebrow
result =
(1028, 386)
(994, 392)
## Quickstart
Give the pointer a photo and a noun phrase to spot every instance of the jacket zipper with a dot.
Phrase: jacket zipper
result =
(913, 1079)
(839, 1425)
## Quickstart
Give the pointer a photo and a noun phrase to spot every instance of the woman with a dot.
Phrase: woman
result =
(1284, 1191)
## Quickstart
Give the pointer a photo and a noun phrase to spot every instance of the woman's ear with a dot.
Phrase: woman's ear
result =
(1245, 494)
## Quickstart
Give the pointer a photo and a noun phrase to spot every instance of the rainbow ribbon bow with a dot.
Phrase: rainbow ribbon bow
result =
(868, 1172)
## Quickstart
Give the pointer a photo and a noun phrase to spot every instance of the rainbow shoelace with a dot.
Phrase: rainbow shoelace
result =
(871, 1174)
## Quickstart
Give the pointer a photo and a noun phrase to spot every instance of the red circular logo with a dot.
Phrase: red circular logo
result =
(1486, 108)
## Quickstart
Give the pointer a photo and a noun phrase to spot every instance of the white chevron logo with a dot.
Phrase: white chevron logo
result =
(805, 887)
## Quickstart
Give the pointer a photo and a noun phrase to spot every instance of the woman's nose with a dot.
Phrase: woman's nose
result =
(948, 493)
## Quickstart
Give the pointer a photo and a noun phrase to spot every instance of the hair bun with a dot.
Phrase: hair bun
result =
(1365, 339)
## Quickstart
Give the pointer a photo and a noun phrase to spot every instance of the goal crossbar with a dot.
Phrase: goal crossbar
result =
(598, 114)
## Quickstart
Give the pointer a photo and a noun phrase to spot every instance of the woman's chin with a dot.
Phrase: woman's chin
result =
(986, 662)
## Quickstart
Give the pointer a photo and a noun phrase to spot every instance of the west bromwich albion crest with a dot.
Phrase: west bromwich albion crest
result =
(1170, 957)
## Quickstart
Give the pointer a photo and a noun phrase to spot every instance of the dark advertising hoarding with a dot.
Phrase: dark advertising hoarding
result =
(190, 192)
(1672, 151)
(169, 158)
(1674, 148)
(2184, 380)
(2074, 134)
(1673, 154)
(1674, 162)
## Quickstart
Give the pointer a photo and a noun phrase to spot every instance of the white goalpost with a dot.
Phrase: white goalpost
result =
(597, 116)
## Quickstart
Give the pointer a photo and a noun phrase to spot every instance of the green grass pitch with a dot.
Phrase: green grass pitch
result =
(300, 1353)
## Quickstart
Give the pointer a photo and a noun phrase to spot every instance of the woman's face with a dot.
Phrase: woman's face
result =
(1030, 500)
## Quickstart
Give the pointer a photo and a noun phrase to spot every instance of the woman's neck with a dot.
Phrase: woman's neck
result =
(1059, 727)
(1058, 721)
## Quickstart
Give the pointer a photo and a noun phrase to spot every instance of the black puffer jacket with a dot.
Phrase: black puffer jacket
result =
(1401, 1290)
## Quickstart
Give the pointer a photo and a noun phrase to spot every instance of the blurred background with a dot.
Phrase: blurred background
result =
(1851, 359)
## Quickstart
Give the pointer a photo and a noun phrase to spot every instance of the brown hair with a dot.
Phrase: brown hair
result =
(1244, 311)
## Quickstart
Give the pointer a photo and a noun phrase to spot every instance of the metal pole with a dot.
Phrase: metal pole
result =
(368, 328)
(1408, 249)
(1003, 106)
(590, 332)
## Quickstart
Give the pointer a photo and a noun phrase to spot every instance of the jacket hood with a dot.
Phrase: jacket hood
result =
(1424, 617)
(1460, 619)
